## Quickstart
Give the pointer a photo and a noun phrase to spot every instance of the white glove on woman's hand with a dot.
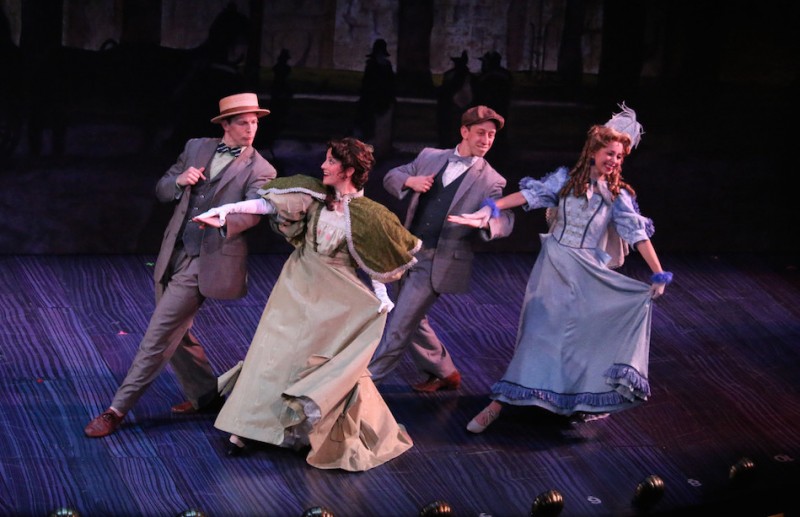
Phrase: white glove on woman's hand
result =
(216, 216)
(479, 219)
(657, 290)
(380, 291)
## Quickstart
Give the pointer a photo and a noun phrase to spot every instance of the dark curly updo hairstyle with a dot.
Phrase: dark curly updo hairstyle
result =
(352, 153)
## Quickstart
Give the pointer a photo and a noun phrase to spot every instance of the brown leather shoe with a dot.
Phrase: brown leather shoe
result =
(451, 382)
(103, 425)
(186, 407)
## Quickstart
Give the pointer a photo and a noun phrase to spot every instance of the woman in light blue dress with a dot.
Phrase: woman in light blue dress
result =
(584, 334)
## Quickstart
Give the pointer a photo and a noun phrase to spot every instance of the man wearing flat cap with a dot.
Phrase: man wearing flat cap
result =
(196, 262)
(441, 182)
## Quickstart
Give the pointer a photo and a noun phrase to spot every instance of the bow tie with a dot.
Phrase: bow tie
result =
(235, 151)
(464, 160)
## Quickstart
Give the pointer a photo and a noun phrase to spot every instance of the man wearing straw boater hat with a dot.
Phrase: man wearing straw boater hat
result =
(196, 262)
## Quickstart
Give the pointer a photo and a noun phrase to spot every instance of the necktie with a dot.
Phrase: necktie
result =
(235, 151)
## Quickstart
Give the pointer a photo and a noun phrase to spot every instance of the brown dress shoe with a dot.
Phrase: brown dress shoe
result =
(186, 407)
(451, 382)
(103, 425)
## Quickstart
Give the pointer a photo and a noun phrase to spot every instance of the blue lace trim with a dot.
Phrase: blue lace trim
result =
(664, 277)
(493, 206)
(528, 182)
(627, 383)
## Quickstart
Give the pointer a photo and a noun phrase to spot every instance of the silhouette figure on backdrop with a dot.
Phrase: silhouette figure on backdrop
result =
(194, 262)
(40, 63)
(492, 88)
(153, 87)
(441, 182)
(375, 107)
(279, 89)
(216, 72)
(280, 99)
(10, 91)
(452, 98)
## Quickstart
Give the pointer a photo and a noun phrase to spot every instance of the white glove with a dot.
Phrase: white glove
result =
(479, 219)
(657, 290)
(380, 291)
(216, 216)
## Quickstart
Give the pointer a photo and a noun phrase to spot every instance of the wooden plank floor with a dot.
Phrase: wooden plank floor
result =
(725, 358)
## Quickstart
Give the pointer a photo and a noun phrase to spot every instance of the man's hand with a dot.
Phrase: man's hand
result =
(420, 184)
(190, 176)
(479, 219)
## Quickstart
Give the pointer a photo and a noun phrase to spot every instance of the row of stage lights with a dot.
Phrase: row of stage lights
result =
(547, 504)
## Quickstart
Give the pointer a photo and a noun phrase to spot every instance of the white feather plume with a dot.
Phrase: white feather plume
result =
(625, 122)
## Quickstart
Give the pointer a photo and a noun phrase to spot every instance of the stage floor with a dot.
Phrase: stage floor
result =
(725, 357)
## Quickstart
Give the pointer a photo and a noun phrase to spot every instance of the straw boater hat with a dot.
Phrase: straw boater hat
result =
(237, 104)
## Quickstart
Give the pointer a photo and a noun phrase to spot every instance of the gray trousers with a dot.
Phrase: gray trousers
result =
(168, 340)
(408, 327)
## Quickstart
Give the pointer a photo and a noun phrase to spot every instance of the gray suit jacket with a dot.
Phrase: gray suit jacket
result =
(452, 262)
(223, 259)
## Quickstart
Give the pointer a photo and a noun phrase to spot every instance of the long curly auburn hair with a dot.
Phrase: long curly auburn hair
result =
(597, 138)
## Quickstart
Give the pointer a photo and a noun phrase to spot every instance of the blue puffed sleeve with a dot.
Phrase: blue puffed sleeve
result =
(544, 192)
(630, 224)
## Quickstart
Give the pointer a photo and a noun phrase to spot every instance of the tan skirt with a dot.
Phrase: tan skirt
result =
(304, 380)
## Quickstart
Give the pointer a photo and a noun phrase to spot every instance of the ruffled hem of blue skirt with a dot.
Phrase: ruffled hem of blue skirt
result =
(627, 386)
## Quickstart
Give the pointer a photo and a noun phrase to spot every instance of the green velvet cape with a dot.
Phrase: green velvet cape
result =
(376, 239)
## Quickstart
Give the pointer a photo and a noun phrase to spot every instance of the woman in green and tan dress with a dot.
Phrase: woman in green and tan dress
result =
(304, 382)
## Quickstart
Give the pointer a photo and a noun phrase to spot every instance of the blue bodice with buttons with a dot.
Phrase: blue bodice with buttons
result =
(582, 222)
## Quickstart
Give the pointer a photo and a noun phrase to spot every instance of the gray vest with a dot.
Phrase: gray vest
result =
(202, 194)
